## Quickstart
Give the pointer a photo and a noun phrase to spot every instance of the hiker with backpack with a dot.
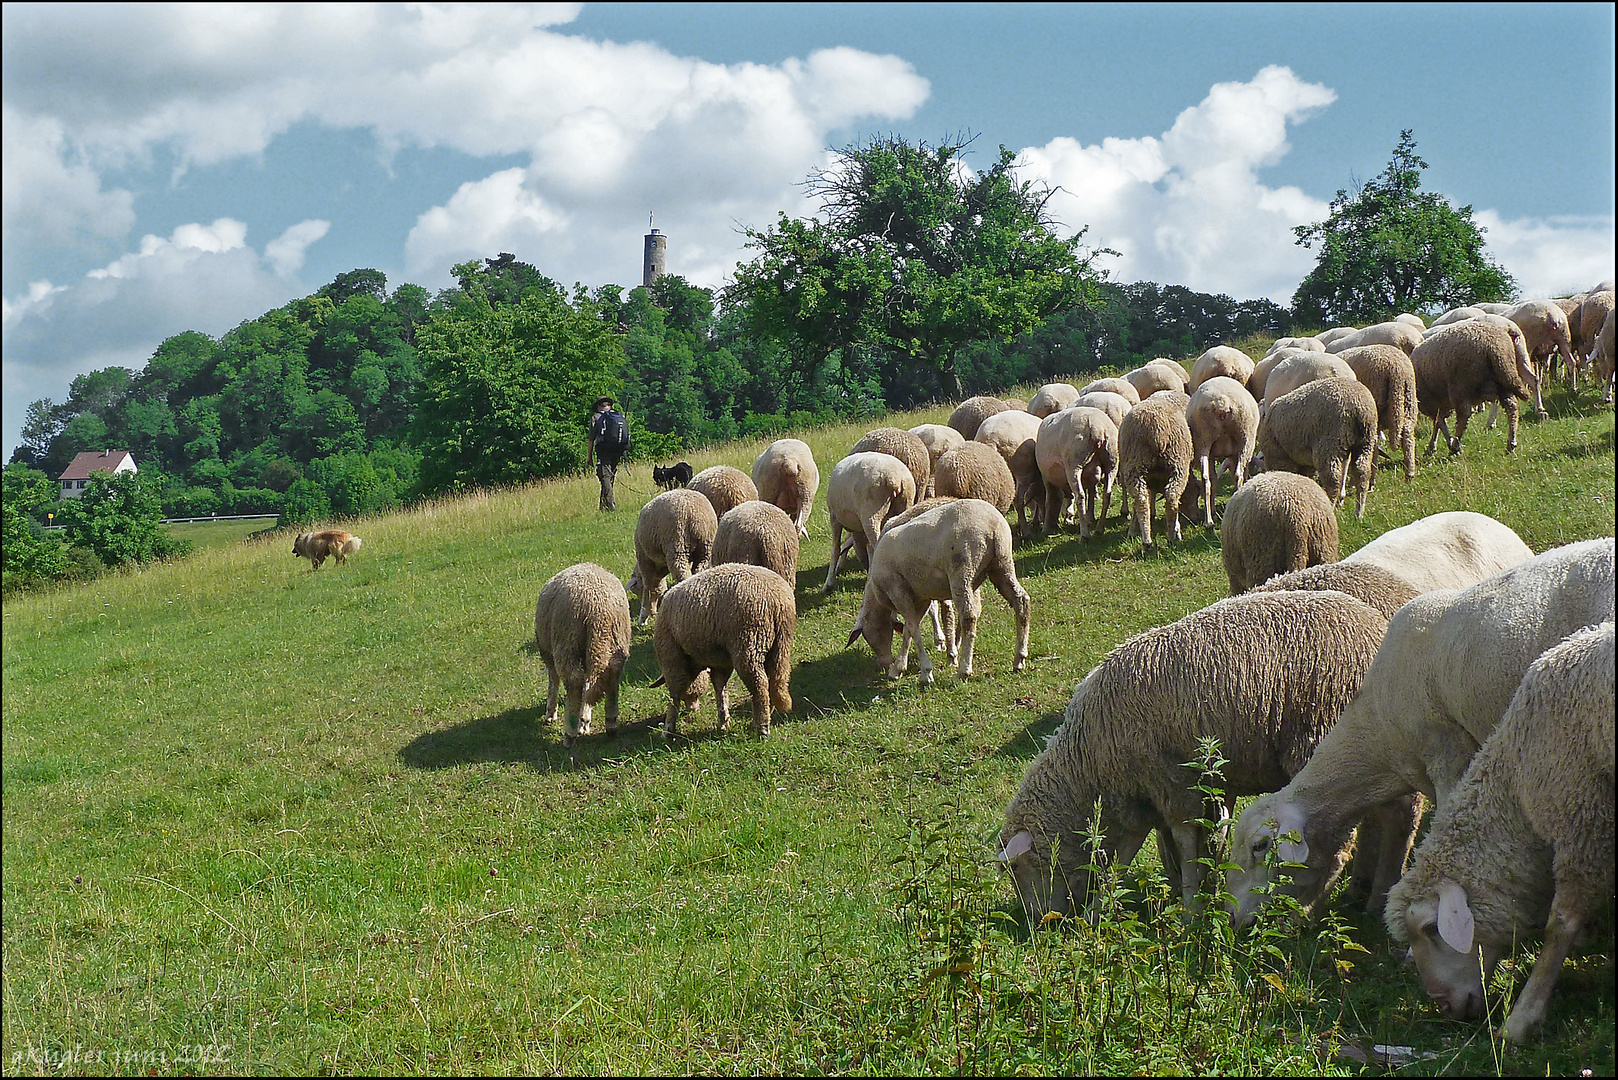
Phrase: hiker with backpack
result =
(608, 443)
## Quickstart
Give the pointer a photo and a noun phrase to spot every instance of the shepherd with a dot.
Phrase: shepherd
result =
(608, 443)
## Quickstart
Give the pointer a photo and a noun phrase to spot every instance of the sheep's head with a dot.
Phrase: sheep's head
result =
(1271, 822)
(1049, 878)
(1436, 919)
(877, 623)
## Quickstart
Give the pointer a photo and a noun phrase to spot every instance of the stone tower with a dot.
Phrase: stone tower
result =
(657, 247)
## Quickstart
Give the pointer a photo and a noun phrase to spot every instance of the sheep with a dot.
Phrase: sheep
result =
(1114, 405)
(1455, 549)
(1013, 434)
(673, 537)
(906, 447)
(785, 474)
(1077, 452)
(1310, 344)
(1122, 387)
(1493, 307)
(1300, 369)
(1526, 844)
(1530, 376)
(1443, 676)
(1601, 357)
(865, 490)
(581, 631)
(1017, 405)
(1326, 337)
(1410, 319)
(1265, 674)
(1366, 582)
(1154, 454)
(1465, 364)
(1386, 371)
(1546, 333)
(1155, 375)
(1327, 427)
(1223, 418)
(1592, 317)
(1277, 522)
(1257, 383)
(1052, 397)
(1455, 315)
(971, 412)
(975, 470)
(759, 533)
(1220, 360)
(1398, 333)
(943, 554)
(734, 617)
(725, 486)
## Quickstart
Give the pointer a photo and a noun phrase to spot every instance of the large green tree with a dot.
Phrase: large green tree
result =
(915, 256)
(118, 517)
(1391, 247)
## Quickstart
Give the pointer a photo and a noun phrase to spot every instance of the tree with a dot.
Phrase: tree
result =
(916, 256)
(30, 554)
(1392, 247)
(118, 518)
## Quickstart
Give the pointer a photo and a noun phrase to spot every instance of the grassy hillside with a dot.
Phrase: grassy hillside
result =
(315, 821)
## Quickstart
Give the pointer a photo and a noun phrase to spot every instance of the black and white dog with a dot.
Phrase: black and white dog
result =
(676, 475)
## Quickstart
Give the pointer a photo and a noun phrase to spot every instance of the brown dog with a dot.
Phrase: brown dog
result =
(317, 546)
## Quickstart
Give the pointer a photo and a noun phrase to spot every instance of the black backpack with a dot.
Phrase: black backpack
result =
(613, 432)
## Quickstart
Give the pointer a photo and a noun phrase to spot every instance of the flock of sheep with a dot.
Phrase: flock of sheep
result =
(1444, 659)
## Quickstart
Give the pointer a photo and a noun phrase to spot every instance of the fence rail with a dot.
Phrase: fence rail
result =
(209, 517)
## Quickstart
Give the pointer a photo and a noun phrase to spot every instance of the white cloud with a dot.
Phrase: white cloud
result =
(48, 199)
(286, 251)
(1551, 256)
(1187, 207)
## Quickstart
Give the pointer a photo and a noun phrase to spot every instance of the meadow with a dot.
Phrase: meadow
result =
(259, 819)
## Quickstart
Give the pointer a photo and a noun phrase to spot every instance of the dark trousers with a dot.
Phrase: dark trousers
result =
(607, 473)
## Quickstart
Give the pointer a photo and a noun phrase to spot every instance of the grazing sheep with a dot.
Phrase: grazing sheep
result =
(865, 490)
(673, 537)
(1077, 452)
(1265, 674)
(786, 475)
(972, 412)
(1456, 315)
(1455, 549)
(1013, 433)
(1601, 358)
(975, 470)
(1220, 360)
(1467, 364)
(1114, 405)
(1122, 387)
(1310, 344)
(1300, 369)
(1592, 317)
(1546, 333)
(1052, 397)
(759, 533)
(938, 438)
(1258, 382)
(1327, 427)
(1410, 319)
(1223, 418)
(1154, 454)
(1525, 846)
(1444, 674)
(1017, 405)
(1368, 583)
(1386, 371)
(728, 618)
(725, 486)
(581, 629)
(906, 447)
(943, 554)
(1276, 523)
(1397, 333)
(1155, 375)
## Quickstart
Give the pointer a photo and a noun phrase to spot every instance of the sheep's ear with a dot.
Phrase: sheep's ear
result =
(1017, 845)
(1455, 923)
(1289, 819)
(854, 634)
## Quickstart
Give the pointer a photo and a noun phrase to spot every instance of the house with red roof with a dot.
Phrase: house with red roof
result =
(77, 476)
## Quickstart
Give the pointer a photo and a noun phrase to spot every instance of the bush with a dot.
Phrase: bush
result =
(117, 518)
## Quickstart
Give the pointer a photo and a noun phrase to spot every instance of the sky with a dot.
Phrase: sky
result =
(189, 167)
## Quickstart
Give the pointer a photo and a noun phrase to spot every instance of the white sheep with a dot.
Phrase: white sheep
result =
(1276, 523)
(1258, 382)
(942, 554)
(1159, 374)
(1525, 846)
(785, 474)
(1077, 452)
(1052, 397)
(1013, 433)
(734, 617)
(1445, 673)
(1300, 369)
(1410, 319)
(725, 486)
(1386, 371)
(1326, 337)
(581, 631)
(903, 445)
(1122, 387)
(1325, 428)
(1266, 674)
(1311, 344)
(1455, 315)
(973, 411)
(1546, 333)
(864, 490)
(937, 438)
(759, 533)
(1154, 454)
(1220, 360)
(1454, 549)
(1398, 333)
(1223, 418)
(673, 537)
(975, 470)
(1593, 314)
(1367, 582)
(1116, 406)
(1601, 357)
(1467, 364)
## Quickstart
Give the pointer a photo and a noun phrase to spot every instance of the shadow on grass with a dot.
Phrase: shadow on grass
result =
(1027, 743)
(1600, 446)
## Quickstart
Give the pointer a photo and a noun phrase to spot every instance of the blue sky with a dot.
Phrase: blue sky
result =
(173, 168)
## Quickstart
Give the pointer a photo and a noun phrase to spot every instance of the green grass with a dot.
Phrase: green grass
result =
(211, 534)
(316, 818)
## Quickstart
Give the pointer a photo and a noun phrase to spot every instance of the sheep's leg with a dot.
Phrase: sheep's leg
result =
(550, 698)
(1006, 584)
(1463, 416)
(1172, 491)
(939, 641)
(1408, 440)
(681, 677)
(1364, 478)
(758, 687)
(1106, 498)
(1494, 416)
(1053, 513)
(1386, 836)
(778, 670)
(1562, 933)
(1511, 423)
(1140, 511)
(968, 606)
(1432, 443)
(1193, 848)
(720, 678)
(578, 711)
(951, 647)
(836, 539)
(1075, 481)
(865, 545)
(1084, 507)
(1207, 490)
(607, 684)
